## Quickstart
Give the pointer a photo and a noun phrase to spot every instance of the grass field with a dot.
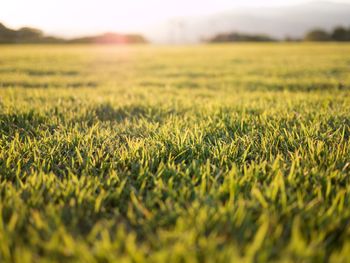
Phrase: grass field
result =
(231, 153)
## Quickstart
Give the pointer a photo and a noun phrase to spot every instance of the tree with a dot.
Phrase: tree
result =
(239, 37)
(317, 35)
(340, 34)
(6, 35)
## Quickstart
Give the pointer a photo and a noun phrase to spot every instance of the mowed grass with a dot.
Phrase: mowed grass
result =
(223, 153)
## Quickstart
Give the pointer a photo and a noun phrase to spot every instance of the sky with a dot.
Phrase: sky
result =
(79, 17)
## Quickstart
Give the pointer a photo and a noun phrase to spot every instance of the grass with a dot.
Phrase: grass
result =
(222, 153)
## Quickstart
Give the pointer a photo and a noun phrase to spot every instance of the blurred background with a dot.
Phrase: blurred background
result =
(173, 22)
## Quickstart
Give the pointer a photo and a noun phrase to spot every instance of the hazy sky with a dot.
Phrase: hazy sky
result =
(76, 17)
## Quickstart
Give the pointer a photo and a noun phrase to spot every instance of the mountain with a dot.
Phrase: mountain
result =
(278, 22)
(33, 35)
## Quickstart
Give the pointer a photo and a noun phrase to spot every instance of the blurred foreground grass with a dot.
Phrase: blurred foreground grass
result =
(223, 153)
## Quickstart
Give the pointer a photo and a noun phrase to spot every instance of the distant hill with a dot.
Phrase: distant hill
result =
(33, 35)
(25, 35)
(277, 22)
(110, 38)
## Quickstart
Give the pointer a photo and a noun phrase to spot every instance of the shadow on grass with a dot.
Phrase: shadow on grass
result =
(32, 72)
(45, 85)
(107, 113)
(295, 87)
(24, 123)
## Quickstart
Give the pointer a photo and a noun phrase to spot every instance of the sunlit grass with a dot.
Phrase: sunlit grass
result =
(175, 154)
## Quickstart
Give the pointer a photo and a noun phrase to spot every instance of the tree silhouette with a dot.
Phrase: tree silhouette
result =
(33, 35)
(341, 34)
(317, 35)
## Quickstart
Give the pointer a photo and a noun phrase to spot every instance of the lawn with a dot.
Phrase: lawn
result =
(213, 153)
